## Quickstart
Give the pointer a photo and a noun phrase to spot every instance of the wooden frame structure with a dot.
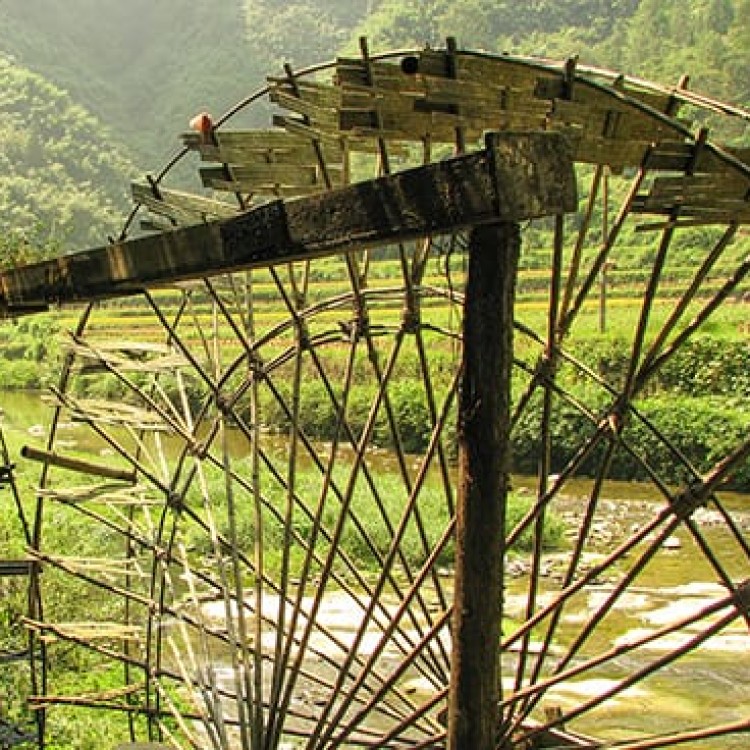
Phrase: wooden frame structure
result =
(295, 194)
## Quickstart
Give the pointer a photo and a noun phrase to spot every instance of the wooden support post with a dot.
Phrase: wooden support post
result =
(484, 417)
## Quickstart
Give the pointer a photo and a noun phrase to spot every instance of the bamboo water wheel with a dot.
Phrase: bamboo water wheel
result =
(292, 587)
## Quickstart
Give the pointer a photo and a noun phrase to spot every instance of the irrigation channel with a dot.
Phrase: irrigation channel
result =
(710, 685)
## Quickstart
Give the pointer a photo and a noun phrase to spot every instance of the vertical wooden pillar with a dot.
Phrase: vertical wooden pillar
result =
(484, 416)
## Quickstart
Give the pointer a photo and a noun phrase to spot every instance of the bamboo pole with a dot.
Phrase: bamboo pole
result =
(77, 464)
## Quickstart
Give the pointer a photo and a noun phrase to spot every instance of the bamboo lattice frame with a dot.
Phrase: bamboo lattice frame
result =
(222, 563)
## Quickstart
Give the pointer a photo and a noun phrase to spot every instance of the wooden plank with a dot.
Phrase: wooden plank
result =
(94, 361)
(627, 91)
(659, 100)
(104, 412)
(517, 72)
(612, 119)
(694, 217)
(485, 104)
(682, 156)
(616, 154)
(184, 208)
(523, 176)
(386, 74)
(709, 198)
(251, 178)
(128, 495)
(327, 137)
(720, 186)
(107, 567)
(266, 146)
(267, 191)
(265, 174)
(307, 99)
(87, 631)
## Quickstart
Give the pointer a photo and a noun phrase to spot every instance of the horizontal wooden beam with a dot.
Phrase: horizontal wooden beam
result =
(518, 176)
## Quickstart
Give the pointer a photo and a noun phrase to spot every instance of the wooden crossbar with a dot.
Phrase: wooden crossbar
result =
(522, 176)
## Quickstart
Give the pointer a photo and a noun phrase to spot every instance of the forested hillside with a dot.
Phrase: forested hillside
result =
(63, 181)
(95, 90)
(139, 66)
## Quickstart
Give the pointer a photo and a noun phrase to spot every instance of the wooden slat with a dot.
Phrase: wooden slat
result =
(381, 73)
(266, 146)
(111, 494)
(184, 208)
(319, 105)
(87, 631)
(76, 464)
(267, 191)
(682, 156)
(558, 88)
(467, 67)
(722, 185)
(712, 198)
(263, 178)
(117, 414)
(106, 568)
(698, 216)
(421, 115)
(297, 126)
(616, 154)
(129, 357)
(610, 118)
(661, 101)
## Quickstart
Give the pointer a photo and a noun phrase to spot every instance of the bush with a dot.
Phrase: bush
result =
(678, 432)
(708, 366)
(703, 430)
(703, 365)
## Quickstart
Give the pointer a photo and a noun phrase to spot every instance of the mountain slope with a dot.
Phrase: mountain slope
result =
(61, 180)
(141, 67)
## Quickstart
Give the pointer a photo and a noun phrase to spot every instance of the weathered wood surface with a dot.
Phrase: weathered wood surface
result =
(613, 121)
(522, 176)
(484, 465)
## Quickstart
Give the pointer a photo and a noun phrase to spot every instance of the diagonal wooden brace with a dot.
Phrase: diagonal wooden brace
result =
(519, 176)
